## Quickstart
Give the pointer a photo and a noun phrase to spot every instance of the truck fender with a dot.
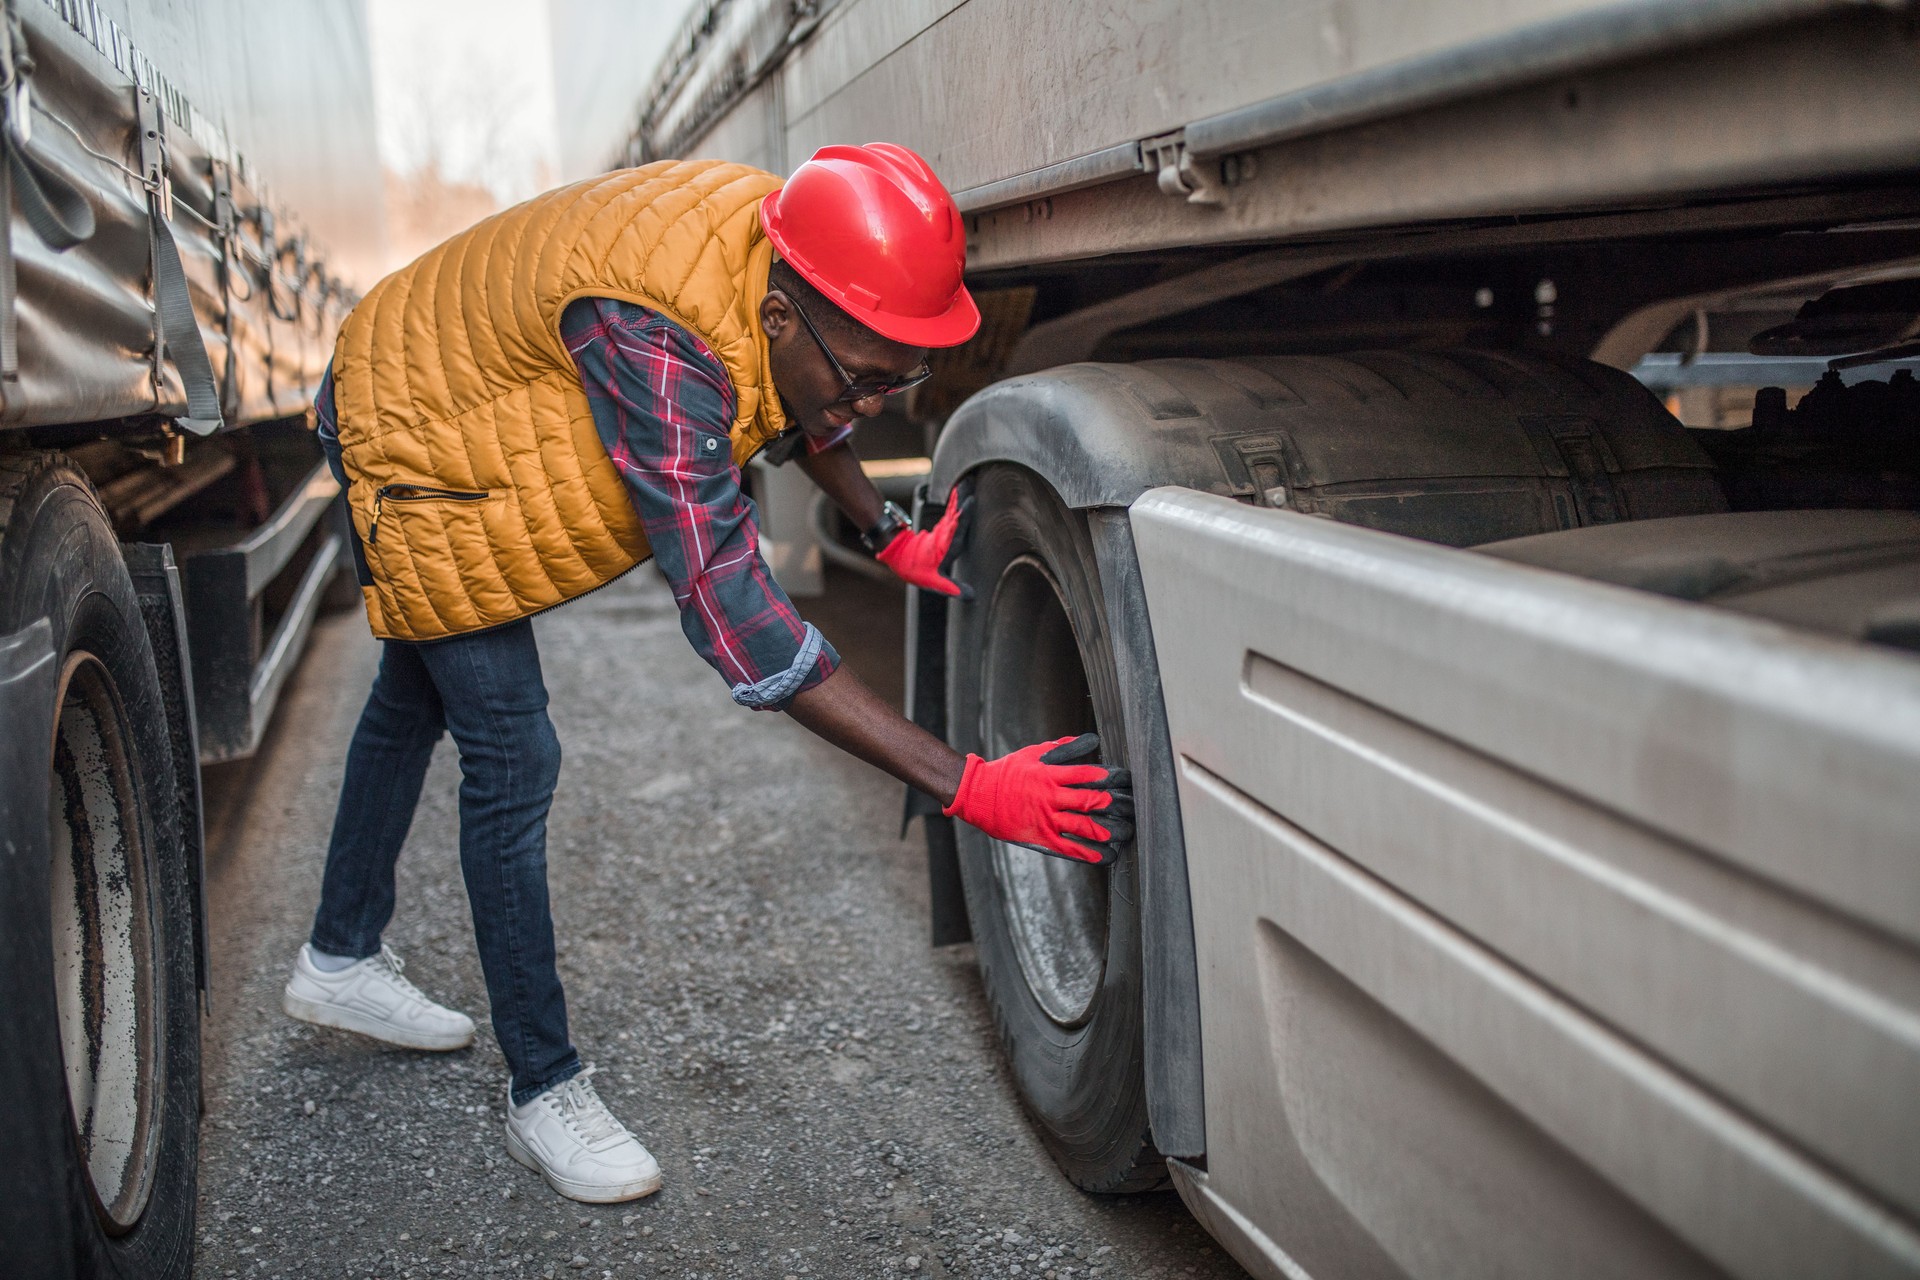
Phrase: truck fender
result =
(1100, 434)
(1458, 447)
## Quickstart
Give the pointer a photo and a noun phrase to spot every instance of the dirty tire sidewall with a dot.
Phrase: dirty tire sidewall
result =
(59, 559)
(1083, 1084)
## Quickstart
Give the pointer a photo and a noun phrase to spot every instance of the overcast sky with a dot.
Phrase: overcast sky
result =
(470, 84)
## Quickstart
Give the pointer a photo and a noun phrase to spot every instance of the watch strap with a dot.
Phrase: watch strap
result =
(891, 524)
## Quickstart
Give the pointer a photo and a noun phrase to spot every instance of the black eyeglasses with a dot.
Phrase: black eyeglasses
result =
(852, 392)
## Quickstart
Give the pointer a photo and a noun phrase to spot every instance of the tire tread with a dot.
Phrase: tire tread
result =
(1104, 1147)
(160, 1244)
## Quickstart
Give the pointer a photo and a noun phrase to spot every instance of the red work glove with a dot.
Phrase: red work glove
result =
(916, 554)
(1039, 798)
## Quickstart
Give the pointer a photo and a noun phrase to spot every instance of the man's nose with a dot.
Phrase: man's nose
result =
(868, 406)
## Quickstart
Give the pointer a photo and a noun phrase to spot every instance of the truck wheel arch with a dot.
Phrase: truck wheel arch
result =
(1561, 442)
(1078, 429)
(1099, 434)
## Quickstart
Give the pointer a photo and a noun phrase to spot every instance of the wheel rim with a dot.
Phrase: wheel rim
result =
(1035, 691)
(104, 962)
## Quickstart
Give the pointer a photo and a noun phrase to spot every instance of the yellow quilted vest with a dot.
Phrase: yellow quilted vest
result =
(481, 490)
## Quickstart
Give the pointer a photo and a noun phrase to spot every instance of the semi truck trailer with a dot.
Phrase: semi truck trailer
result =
(1463, 458)
(188, 194)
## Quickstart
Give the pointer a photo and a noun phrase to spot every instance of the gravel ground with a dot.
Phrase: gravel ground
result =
(744, 945)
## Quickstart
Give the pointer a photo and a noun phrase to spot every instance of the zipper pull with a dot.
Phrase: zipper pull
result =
(373, 529)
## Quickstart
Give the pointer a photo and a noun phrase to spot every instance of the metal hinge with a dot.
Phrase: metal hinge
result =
(220, 175)
(1177, 172)
(151, 120)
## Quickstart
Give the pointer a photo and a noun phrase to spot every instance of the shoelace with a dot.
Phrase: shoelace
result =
(580, 1107)
(396, 967)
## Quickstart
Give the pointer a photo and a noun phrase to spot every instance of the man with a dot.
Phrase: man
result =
(532, 409)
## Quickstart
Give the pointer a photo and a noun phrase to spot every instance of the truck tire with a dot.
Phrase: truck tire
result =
(108, 992)
(1058, 943)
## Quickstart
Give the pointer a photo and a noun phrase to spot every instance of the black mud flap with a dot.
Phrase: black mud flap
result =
(927, 707)
(156, 581)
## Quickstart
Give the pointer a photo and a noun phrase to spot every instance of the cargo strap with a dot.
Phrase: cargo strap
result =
(225, 229)
(54, 209)
(176, 330)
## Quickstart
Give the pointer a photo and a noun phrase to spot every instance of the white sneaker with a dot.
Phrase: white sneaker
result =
(568, 1136)
(371, 997)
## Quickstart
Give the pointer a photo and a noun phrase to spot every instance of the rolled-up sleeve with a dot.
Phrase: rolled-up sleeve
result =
(663, 405)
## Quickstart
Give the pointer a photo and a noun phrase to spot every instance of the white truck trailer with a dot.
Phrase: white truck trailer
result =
(186, 191)
(1528, 871)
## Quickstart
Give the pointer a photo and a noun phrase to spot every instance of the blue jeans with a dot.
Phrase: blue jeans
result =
(486, 689)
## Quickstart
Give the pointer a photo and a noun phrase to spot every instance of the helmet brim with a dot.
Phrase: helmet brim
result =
(957, 324)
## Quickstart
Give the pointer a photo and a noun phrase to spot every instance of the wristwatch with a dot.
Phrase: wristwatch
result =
(893, 522)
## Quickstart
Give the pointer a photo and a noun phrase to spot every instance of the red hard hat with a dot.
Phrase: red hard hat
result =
(872, 228)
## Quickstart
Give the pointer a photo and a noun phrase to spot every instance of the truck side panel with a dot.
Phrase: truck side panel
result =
(1111, 128)
(1132, 69)
(1402, 771)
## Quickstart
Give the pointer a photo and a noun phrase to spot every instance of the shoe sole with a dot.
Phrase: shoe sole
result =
(581, 1191)
(325, 1015)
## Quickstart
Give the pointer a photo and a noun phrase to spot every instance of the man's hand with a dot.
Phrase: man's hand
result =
(1040, 798)
(916, 555)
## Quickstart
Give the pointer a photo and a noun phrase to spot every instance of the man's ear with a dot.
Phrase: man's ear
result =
(776, 315)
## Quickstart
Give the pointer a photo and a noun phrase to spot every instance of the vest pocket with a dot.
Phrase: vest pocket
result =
(416, 493)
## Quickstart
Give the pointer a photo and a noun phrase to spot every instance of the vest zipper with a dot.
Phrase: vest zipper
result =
(558, 604)
(416, 493)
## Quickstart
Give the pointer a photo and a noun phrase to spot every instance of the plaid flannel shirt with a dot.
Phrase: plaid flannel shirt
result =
(663, 405)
